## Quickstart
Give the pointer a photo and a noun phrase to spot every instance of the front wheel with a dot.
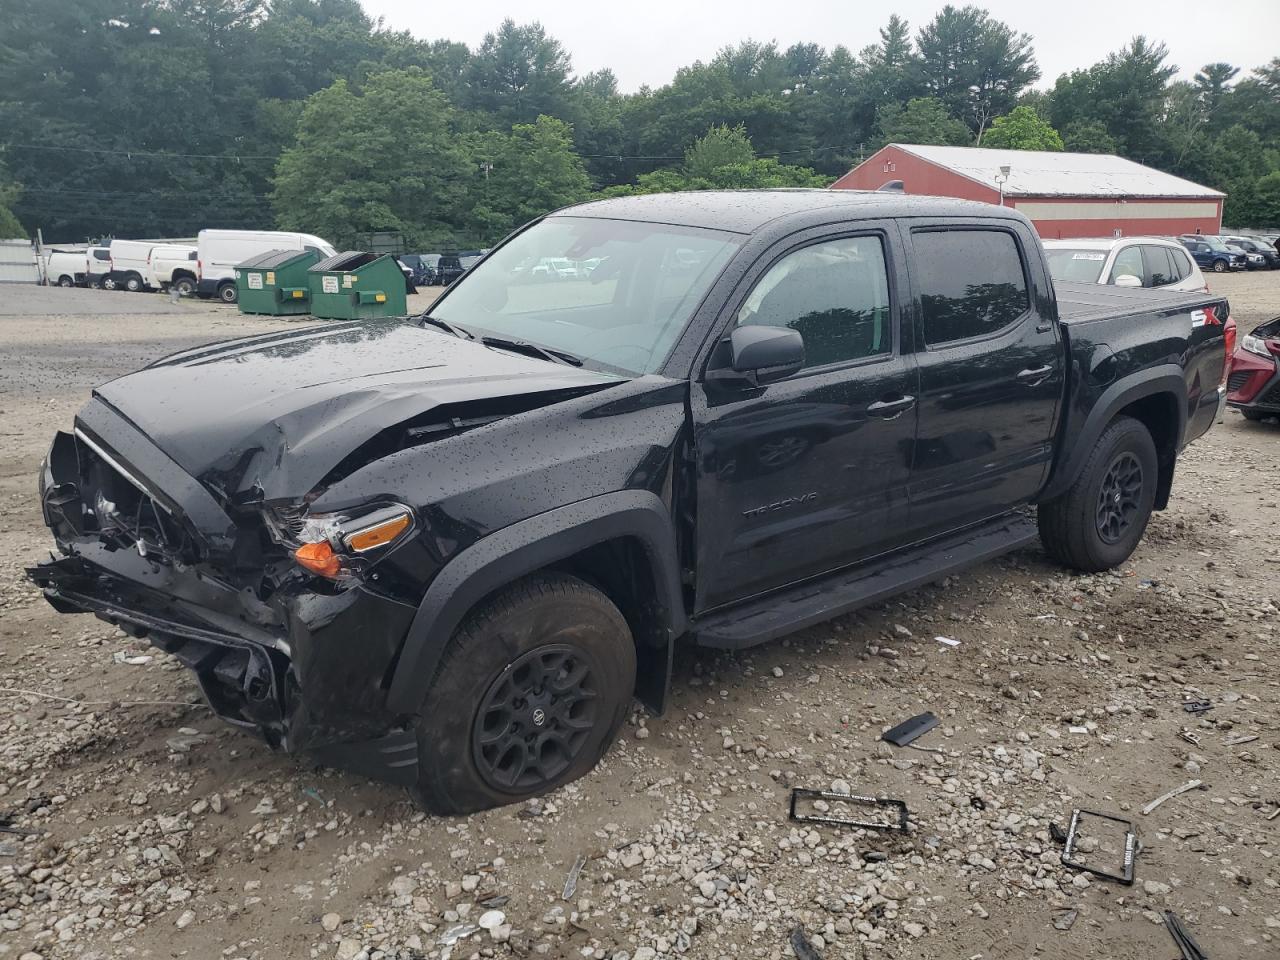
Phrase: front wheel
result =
(133, 283)
(1219, 266)
(227, 293)
(1097, 523)
(530, 693)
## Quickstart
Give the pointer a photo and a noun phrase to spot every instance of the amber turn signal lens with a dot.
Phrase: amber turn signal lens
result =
(318, 558)
(379, 535)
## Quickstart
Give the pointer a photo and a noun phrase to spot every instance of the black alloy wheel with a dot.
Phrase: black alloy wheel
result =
(1119, 498)
(535, 718)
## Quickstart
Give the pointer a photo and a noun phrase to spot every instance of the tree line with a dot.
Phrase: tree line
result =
(151, 118)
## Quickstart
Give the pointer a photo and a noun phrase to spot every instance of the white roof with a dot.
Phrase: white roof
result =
(1042, 173)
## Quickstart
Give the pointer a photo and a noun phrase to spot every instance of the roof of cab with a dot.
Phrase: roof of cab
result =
(746, 211)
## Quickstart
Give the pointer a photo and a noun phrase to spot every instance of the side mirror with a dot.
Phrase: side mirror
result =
(758, 355)
(1127, 280)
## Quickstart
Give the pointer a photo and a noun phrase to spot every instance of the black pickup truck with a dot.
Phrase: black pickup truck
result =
(448, 550)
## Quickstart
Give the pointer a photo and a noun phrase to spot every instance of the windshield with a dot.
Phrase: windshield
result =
(616, 293)
(1079, 266)
(1214, 244)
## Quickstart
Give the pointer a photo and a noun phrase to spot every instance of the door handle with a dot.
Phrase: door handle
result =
(889, 409)
(1036, 376)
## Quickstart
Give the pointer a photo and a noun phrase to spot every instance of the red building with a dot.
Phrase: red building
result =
(1063, 194)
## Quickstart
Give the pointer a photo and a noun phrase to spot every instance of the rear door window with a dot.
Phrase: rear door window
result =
(972, 283)
(1160, 270)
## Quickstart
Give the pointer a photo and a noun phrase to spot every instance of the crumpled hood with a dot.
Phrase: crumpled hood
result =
(280, 411)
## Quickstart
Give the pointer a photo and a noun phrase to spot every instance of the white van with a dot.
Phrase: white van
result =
(129, 265)
(67, 268)
(100, 268)
(221, 251)
(172, 265)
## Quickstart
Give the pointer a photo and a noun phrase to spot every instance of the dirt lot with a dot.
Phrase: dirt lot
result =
(156, 831)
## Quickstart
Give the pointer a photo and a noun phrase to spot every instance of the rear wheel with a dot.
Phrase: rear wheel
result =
(185, 286)
(66, 281)
(1097, 523)
(227, 293)
(530, 693)
(133, 283)
(1254, 415)
(109, 283)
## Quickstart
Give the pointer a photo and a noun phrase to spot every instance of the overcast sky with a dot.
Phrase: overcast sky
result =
(644, 42)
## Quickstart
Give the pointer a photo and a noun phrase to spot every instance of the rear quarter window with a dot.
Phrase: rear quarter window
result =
(971, 283)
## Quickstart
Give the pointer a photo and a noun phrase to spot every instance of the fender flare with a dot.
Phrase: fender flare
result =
(521, 549)
(1166, 378)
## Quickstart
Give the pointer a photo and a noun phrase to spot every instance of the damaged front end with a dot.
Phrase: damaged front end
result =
(299, 656)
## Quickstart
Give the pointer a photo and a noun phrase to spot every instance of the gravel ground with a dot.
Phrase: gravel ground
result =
(156, 831)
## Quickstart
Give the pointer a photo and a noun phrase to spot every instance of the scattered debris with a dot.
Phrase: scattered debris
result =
(1191, 950)
(313, 794)
(457, 932)
(948, 641)
(571, 881)
(1057, 834)
(1197, 706)
(1066, 919)
(134, 661)
(1274, 813)
(898, 805)
(1189, 785)
(1125, 875)
(1236, 741)
(493, 903)
(1190, 737)
(977, 803)
(909, 730)
(800, 945)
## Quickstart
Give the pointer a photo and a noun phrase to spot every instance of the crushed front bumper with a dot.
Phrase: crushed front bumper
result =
(302, 663)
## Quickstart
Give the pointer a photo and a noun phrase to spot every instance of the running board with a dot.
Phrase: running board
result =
(777, 614)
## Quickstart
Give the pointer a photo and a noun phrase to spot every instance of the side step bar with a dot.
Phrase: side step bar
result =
(777, 614)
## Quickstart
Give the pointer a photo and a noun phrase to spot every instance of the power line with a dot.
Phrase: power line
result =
(134, 154)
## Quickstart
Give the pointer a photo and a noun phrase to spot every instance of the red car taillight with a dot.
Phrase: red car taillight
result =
(1229, 335)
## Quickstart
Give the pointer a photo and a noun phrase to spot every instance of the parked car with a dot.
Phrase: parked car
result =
(1253, 385)
(99, 263)
(1125, 262)
(361, 541)
(173, 265)
(1212, 254)
(219, 252)
(1262, 255)
(448, 269)
(423, 267)
(67, 268)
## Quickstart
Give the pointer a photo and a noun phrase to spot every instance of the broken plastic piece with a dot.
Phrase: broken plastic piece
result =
(910, 730)
(1189, 785)
(1125, 875)
(571, 881)
(1197, 706)
(899, 805)
(1191, 950)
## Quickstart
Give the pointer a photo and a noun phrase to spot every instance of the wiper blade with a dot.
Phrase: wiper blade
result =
(532, 349)
(452, 328)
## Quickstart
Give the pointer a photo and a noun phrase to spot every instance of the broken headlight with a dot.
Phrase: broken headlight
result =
(340, 545)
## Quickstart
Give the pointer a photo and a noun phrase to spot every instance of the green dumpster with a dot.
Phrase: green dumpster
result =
(352, 285)
(275, 282)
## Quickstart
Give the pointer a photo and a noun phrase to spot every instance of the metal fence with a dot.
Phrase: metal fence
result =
(18, 262)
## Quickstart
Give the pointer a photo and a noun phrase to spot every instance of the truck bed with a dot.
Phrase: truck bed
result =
(1089, 302)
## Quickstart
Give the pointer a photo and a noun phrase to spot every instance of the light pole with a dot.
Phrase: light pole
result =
(1001, 177)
